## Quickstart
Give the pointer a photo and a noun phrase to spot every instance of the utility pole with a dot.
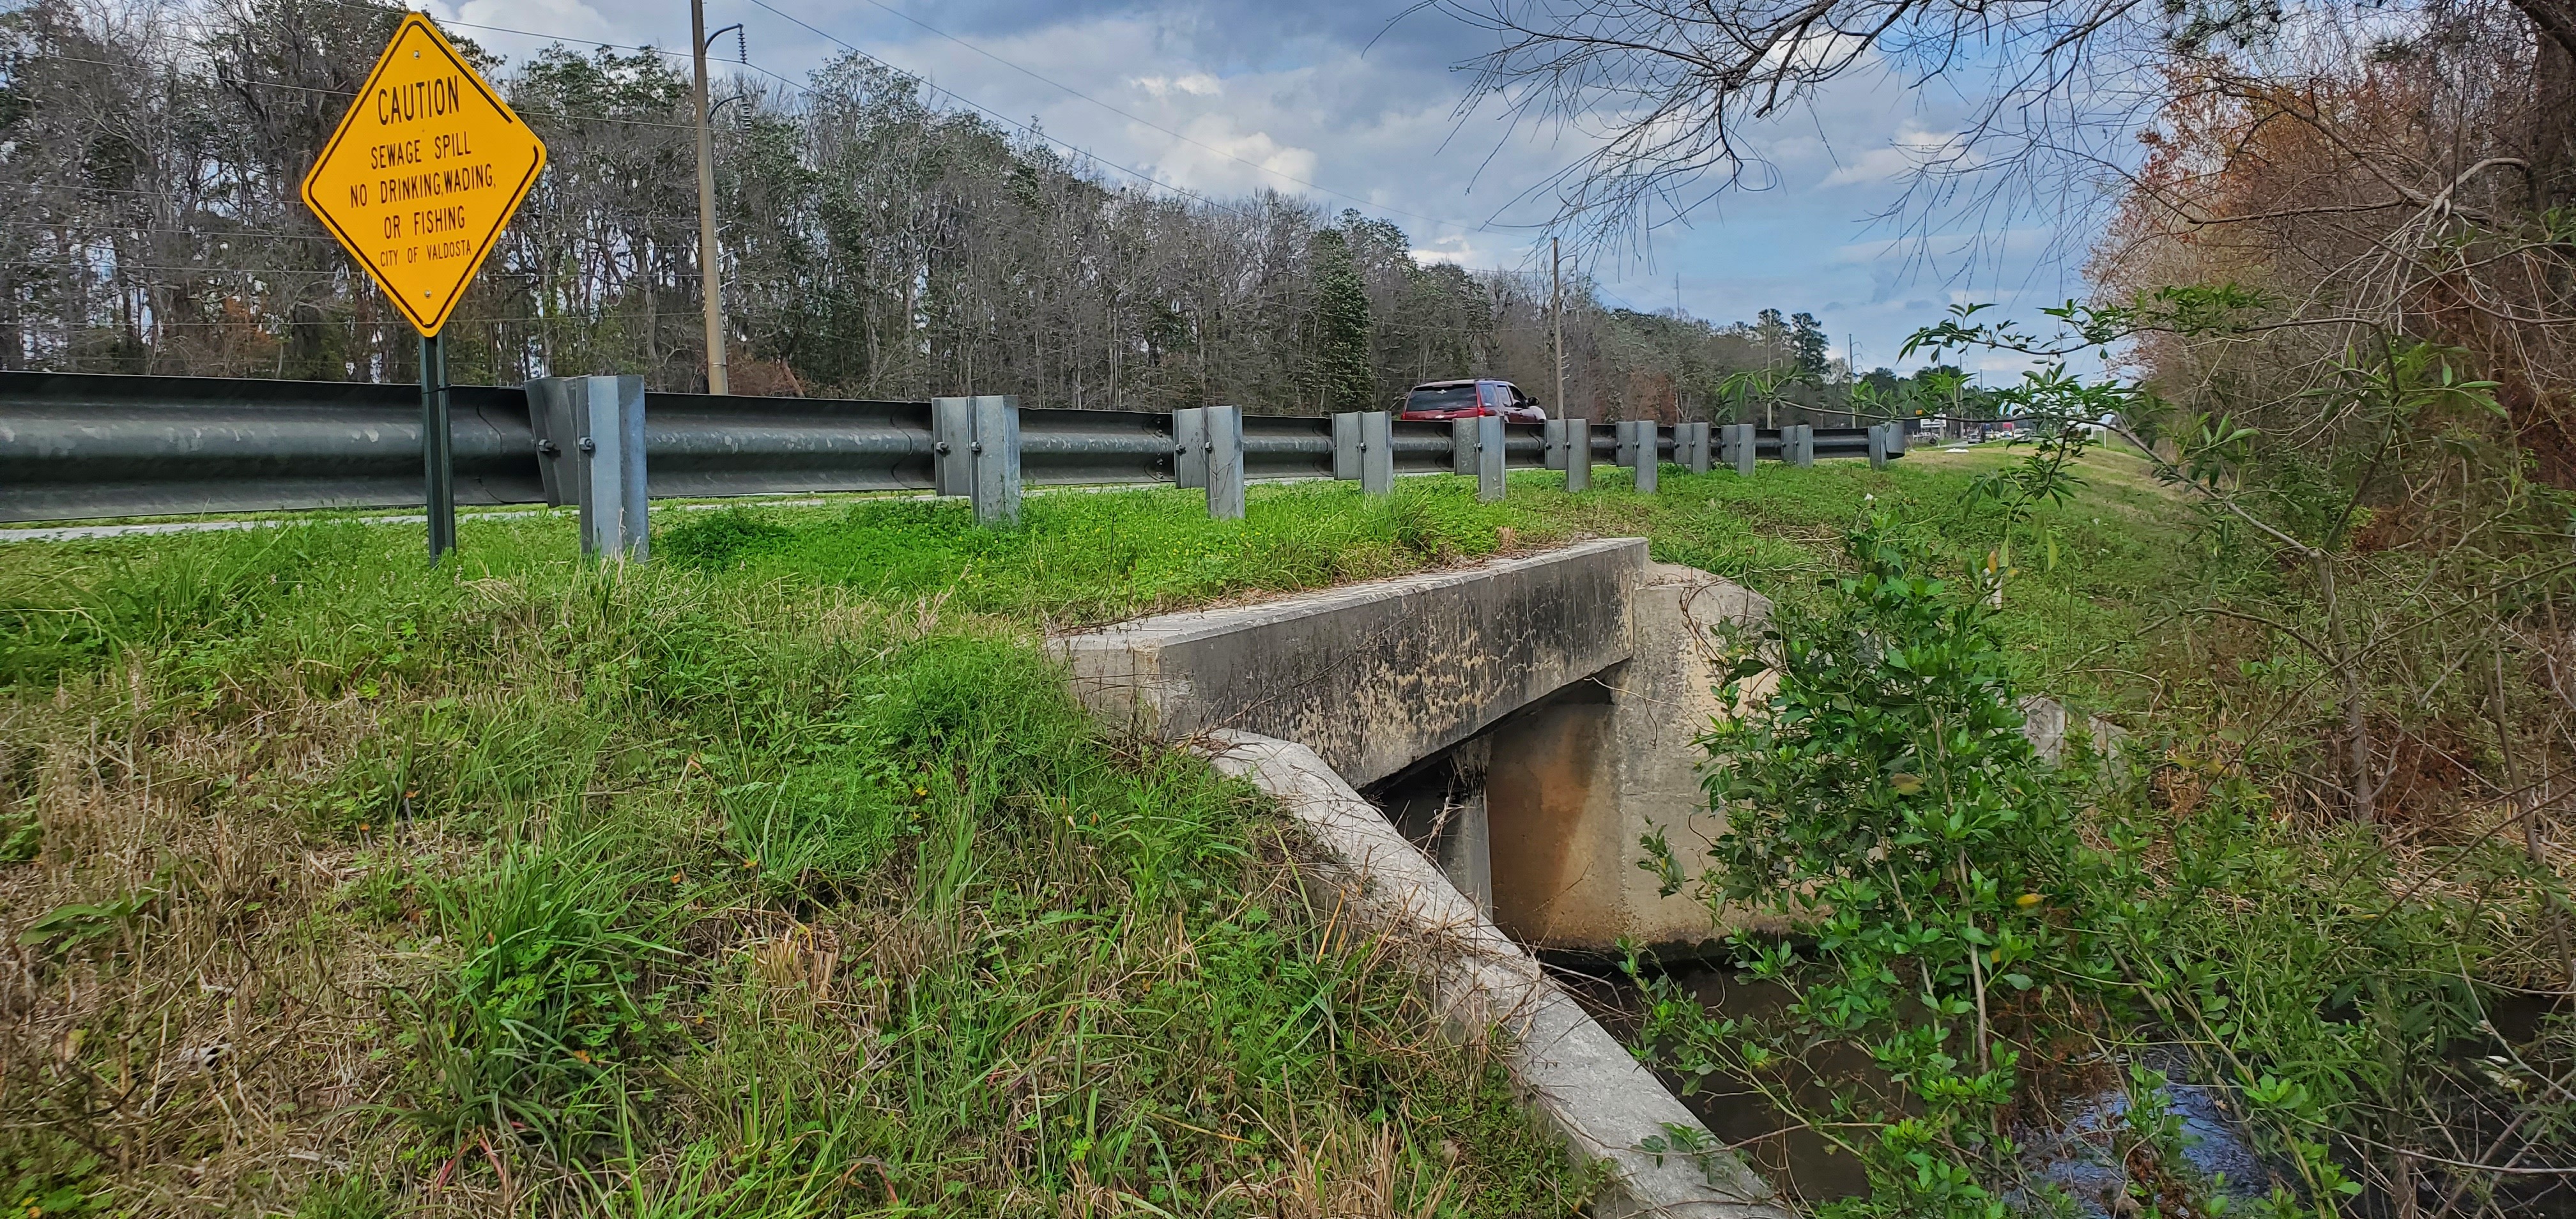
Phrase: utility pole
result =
(1851, 378)
(1556, 305)
(1770, 386)
(710, 285)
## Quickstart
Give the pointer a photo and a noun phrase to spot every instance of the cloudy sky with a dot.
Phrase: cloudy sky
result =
(1356, 103)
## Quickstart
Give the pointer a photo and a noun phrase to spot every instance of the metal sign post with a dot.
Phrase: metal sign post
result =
(437, 448)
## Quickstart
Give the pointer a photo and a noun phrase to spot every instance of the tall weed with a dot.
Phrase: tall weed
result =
(560, 984)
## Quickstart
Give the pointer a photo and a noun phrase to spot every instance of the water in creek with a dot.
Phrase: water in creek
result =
(2080, 1147)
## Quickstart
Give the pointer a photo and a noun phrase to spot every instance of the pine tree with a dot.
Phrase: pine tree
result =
(1772, 333)
(1807, 337)
(1345, 377)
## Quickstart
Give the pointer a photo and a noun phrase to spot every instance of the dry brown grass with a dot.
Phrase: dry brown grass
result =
(216, 1044)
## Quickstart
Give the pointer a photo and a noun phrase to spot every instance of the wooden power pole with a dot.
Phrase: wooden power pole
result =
(1556, 306)
(710, 282)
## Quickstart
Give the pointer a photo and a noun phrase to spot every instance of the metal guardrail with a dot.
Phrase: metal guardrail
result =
(87, 445)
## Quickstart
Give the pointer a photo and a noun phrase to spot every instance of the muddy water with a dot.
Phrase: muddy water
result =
(2080, 1149)
(1799, 1162)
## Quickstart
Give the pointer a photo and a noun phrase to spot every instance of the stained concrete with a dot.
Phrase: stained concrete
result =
(1579, 779)
(1587, 1087)
(1376, 676)
(1440, 807)
(1579, 679)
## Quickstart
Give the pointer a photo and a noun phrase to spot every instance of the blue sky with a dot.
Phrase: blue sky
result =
(1348, 96)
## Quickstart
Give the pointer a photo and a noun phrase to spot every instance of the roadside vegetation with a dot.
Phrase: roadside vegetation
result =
(774, 876)
(340, 886)
(778, 875)
(2313, 872)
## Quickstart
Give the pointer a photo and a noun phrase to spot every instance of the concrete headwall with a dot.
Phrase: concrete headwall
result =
(1577, 780)
(1372, 677)
(1527, 720)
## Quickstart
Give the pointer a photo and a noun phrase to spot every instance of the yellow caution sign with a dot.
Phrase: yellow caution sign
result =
(423, 173)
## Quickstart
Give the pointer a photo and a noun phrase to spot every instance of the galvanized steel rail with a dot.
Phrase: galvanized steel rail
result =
(76, 446)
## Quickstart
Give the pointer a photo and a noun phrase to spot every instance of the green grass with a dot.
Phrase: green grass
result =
(776, 876)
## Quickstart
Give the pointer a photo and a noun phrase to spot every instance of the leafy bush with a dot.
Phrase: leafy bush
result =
(1885, 802)
(1983, 929)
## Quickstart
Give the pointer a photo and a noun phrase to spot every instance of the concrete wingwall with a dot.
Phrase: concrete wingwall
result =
(1600, 1102)
(1522, 723)
(1373, 677)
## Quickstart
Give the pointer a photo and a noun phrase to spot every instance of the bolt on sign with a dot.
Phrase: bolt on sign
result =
(423, 173)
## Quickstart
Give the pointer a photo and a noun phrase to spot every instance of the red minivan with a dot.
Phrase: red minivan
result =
(1436, 400)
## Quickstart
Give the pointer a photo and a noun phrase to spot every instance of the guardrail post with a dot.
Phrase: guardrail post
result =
(1462, 446)
(551, 422)
(1578, 454)
(1346, 447)
(996, 449)
(1189, 447)
(1741, 445)
(952, 445)
(1878, 446)
(1695, 447)
(1895, 439)
(614, 520)
(590, 453)
(1377, 452)
(1224, 462)
(1798, 444)
(1552, 442)
(1637, 439)
(1489, 457)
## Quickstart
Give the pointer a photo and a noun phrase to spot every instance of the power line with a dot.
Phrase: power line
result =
(209, 233)
(1138, 119)
(987, 111)
(279, 84)
(744, 60)
(1011, 123)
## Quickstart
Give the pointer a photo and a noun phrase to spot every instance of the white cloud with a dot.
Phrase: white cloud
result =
(1264, 98)
(1195, 84)
(1909, 149)
(1219, 158)
(1462, 250)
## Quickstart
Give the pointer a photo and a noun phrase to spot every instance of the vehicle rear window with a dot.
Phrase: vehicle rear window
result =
(1442, 398)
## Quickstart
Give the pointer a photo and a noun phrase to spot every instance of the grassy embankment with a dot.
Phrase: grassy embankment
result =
(777, 876)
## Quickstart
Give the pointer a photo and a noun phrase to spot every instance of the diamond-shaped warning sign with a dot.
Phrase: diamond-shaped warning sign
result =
(423, 173)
